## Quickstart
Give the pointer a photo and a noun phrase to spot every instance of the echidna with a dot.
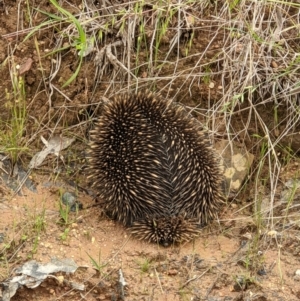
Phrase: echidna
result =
(154, 168)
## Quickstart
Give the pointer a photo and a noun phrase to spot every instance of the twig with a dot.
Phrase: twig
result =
(194, 278)
(158, 280)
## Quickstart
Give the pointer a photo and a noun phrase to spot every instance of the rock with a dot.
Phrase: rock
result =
(235, 165)
(70, 199)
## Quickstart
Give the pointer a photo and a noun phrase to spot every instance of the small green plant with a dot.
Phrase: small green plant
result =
(38, 226)
(141, 36)
(28, 14)
(65, 220)
(80, 42)
(233, 4)
(33, 229)
(64, 212)
(189, 44)
(28, 233)
(287, 154)
(9, 248)
(164, 16)
(97, 263)
(238, 99)
(254, 260)
(4, 262)
(290, 199)
(145, 265)
(243, 281)
(12, 130)
(63, 236)
(207, 77)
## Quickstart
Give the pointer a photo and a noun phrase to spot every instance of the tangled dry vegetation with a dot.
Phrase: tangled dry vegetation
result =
(234, 64)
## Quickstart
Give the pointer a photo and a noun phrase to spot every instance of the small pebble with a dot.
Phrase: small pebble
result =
(60, 279)
(172, 272)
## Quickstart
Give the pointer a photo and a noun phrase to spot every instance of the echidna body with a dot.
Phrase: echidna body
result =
(154, 168)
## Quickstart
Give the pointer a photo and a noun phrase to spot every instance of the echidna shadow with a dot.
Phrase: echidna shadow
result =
(154, 168)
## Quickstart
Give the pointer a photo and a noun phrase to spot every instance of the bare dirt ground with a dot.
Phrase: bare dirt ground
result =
(231, 260)
(216, 266)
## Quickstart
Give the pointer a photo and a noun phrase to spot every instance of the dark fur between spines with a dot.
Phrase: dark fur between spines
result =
(154, 167)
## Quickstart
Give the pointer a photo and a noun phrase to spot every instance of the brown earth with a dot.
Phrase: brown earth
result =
(231, 260)
(212, 267)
